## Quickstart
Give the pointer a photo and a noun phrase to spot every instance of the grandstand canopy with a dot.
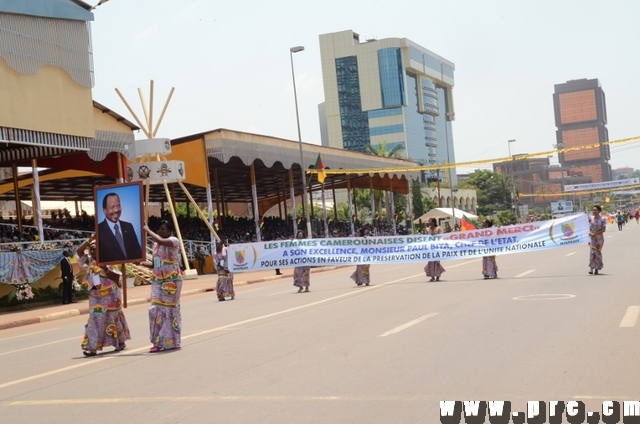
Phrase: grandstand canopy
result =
(224, 158)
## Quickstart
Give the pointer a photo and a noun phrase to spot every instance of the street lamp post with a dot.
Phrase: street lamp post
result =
(293, 50)
(513, 181)
(447, 119)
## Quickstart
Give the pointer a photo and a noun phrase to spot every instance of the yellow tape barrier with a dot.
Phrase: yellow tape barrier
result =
(471, 163)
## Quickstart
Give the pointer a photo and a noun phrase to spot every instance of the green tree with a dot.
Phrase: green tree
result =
(381, 150)
(493, 190)
(416, 198)
(343, 212)
(428, 203)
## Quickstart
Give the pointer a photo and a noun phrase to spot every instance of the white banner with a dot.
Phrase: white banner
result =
(605, 184)
(571, 229)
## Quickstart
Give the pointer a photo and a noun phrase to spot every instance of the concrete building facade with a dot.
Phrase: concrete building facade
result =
(581, 119)
(391, 91)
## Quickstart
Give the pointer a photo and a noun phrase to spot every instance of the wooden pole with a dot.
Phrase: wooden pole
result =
(144, 110)
(175, 224)
(164, 109)
(142, 126)
(152, 129)
(294, 211)
(16, 190)
(199, 211)
(254, 196)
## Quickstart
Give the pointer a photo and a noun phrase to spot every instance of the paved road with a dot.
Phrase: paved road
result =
(387, 353)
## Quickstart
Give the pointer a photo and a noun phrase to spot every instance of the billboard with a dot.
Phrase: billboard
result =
(562, 206)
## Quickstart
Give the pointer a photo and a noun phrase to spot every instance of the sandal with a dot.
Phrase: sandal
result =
(155, 349)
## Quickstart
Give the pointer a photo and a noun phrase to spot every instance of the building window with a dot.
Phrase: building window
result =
(391, 77)
(354, 122)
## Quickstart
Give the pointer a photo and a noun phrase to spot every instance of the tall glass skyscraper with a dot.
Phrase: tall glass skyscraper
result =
(389, 90)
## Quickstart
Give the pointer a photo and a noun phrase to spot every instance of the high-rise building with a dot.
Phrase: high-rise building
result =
(581, 119)
(389, 91)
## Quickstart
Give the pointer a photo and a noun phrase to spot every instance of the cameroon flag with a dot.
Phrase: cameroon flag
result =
(320, 168)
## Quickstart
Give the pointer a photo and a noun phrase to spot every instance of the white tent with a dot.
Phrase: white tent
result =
(444, 213)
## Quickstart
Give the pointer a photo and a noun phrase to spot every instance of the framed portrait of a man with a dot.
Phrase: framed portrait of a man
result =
(119, 223)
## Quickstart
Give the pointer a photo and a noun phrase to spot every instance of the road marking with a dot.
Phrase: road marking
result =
(524, 273)
(409, 324)
(291, 290)
(28, 334)
(96, 360)
(42, 345)
(630, 317)
(569, 254)
(545, 296)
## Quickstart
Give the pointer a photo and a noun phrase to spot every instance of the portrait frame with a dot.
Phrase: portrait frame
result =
(130, 219)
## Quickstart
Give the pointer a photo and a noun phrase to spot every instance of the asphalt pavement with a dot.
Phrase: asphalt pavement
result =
(134, 295)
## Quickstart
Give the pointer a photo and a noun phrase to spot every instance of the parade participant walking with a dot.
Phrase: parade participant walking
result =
(597, 227)
(433, 268)
(106, 325)
(620, 220)
(301, 274)
(361, 274)
(165, 319)
(224, 286)
(489, 265)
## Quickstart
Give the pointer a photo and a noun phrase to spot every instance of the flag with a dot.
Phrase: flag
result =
(320, 168)
(466, 225)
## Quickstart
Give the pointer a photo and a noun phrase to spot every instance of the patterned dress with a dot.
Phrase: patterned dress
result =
(596, 225)
(301, 276)
(489, 267)
(361, 275)
(433, 269)
(224, 286)
(165, 320)
(106, 325)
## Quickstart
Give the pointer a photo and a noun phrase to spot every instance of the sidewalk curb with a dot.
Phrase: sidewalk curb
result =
(137, 301)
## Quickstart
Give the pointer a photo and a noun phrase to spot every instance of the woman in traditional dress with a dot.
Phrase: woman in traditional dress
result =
(361, 274)
(165, 319)
(433, 268)
(106, 325)
(597, 227)
(224, 286)
(489, 265)
(301, 273)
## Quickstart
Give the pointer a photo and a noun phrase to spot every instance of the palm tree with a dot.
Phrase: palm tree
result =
(394, 152)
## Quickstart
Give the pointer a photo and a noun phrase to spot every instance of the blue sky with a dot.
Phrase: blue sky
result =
(229, 63)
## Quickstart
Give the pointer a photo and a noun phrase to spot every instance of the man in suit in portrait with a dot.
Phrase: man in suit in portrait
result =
(117, 240)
